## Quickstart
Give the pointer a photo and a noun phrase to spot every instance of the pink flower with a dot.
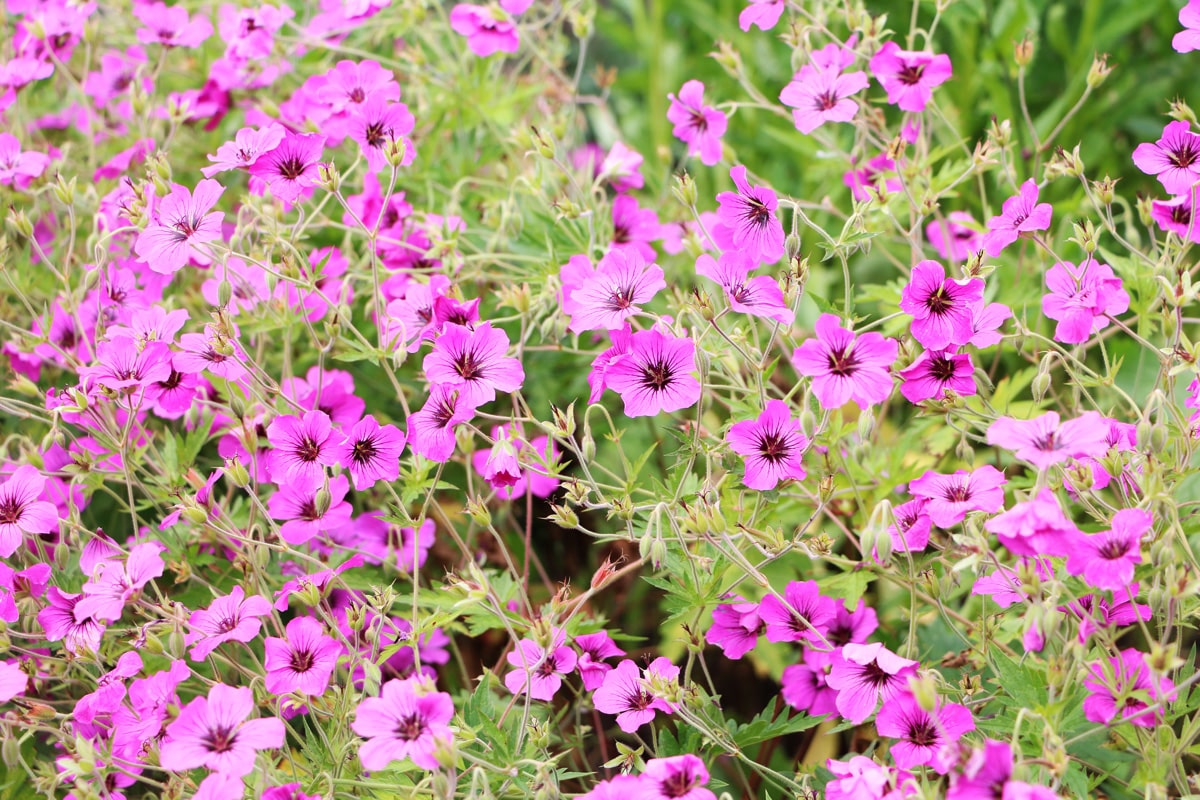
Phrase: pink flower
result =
(986, 320)
(213, 732)
(803, 615)
(405, 721)
(987, 775)
(872, 180)
(232, 618)
(819, 95)
(473, 362)
(951, 497)
(114, 583)
(920, 733)
(80, 633)
(803, 685)
(656, 374)
(375, 124)
(170, 26)
(487, 32)
(860, 778)
(1106, 559)
(843, 367)
(763, 13)
(911, 531)
(21, 509)
(184, 221)
(290, 169)
(622, 168)
(940, 307)
(13, 680)
(863, 673)
(307, 517)
(956, 238)
(514, 465)
(675, 778)
(852, 627)
(747, 221)
(1082, 299)
(909, 76)
(304, 446)
(759, 296)
(605, 298)
(17, 168)
(1174, 158)
(698, 126)
(626, 693)
(593, 649)
(1021, 213)
(539, 670)
(634, 227)
(935, 372)
(303, 662)
(1121, 686)
(247, 145)
(431, 430)
(1188, 39)
(736, 628)
(618, 787)
(1036, 527)
(772, 446)
(1176, 215)
(371, 452)
(1043, 441)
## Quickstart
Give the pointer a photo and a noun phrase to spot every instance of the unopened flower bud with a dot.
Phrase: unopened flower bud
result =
(564, 421)
(542, 144)
(1181, 111)
(685, 190)
(563, 517)
(791, 246)
(478, 511)
(588, 446)
(19, 222)
(1023, 52)
(1099, 71)
(64, 190)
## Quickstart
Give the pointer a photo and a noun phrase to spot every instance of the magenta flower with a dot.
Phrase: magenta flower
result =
(303, 662)
(79, 633)
(736, 628)
(803, 615)
(19, 168)
(803, 685)
(21, 510)
(675, 778)
(232, 618)
(290, 169)
(13, 680)
(986, 320)
(1188, 39)
(405, 721)
(851, 627)
(473, 362)
(184, 221)
(1176, 215)
(1036, 527)
(912, 528)
(772, 446)
(845, 368)
(920, 733)
(698, 126)
(170, 26)
(747, 221)
(304, 446)
(375, 124)
(817, 96)
(951, 497)
(863, 673)
(247, 145)
(1174, 158)
(759, 296)
(593, 649)
(872, 179)
(634, 227)
(861, 778)
(114, 583)
(1106, 559)
(656, 374)
(627, 694)
(763, 13)
(431, 430)
(127, 365)
(297, 501)
(1021, 213)
(940, 307)
(987, 775)
(955, 238)
(1121, 686)
(213, 732)
(539, 670)
(1044, 441)
(371, 452)
(605, 298)
(935, 372)
(1082, 299)
(909, 76)
(487, 32)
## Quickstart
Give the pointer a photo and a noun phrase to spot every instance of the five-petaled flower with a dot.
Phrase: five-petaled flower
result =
(407, 720)
(184, 222)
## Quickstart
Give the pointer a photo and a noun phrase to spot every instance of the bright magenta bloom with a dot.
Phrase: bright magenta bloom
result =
(304, 446)
(626, 693)
(909, 76)
(771, 445)
(956, 239)
(698, 126)
(1037, 527)
(431, 430)
(763, 13)
(936, 371)
(845, 368)
(184, 221)
(486, 32)
(747, 221)
(474, 363)
(296, 502)
(1188, 39)
(759, 296)
(1106, 560)
(375, 124)
(1174, 158)
(1044, 441)
(170, 26)
(676, 778)
(736, 628)
(656, 374)
(244, 150)
(79, 633)
(940, 307)
(817, 96)
(919, 733)
(593, 649)
(605, 298)
(1082, 299)
(951, 497)
(1178, 216)
(371, 452)
(19, 168)
(232, 618)
(303, 662)
(21, 511)
(405, 721)
(214, 732)
(538, 670)
(1120, 687)
(290, 169)
(863, 673)
(1021, 213)
(803, 615)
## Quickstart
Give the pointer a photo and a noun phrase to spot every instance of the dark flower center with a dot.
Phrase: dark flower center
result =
(308, 450)
(698, 121)
(875, 674)
(959, 493)
(357, 95)
(363, 451)
(842, 364)
(227, 624)
(220, 740)
(1184, 156)
(774, 446)
(291, 167)
(376, 135)
(10, 511)
(657, 375)
(1113, 549)
(301, 661)
(939, 302)
(922, 732)
(677, 785)
(410, 727)
(756, 212)
(910, 74)
(941, 369)
(468, 367)
(826, 101)
(621, 298)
